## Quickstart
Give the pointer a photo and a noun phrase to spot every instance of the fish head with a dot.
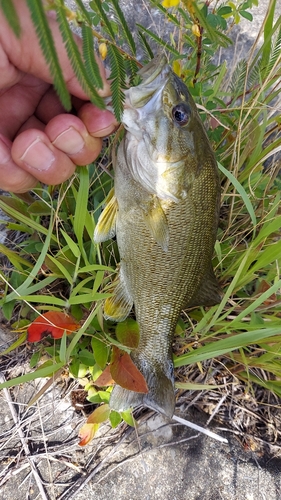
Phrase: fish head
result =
(164, 132)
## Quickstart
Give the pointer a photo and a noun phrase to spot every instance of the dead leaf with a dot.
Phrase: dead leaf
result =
(86, 433)
(105, 379)
(99, 415)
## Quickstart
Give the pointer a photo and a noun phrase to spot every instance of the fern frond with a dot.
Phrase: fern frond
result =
(275, 52)
(145, 45)
(91, 64)
(118, 80)
(96, 5)
(131, 69)
(238, 78)
(47, 45)
(159, 40)
(125, 28)
(10, 13)
(75, 58)
(255, 75)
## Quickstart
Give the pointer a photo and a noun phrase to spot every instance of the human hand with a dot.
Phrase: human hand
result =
(39, 141)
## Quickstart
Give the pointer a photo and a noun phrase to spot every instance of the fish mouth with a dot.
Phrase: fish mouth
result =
(154, 77)
(153, 69)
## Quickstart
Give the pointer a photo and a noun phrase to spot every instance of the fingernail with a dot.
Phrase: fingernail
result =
(5, 153)
(38, 155)
(69, 141)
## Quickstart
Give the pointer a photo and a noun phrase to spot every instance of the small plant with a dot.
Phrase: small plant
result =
(58, 270)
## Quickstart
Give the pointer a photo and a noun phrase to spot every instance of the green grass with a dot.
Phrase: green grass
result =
(58, 267)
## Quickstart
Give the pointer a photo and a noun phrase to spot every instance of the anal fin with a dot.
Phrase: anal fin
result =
(118, 306)
(105, 228)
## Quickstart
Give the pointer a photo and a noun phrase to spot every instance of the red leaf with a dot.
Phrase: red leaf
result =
(52, 324)
(105, 378)
(86, 433)
(125, 373)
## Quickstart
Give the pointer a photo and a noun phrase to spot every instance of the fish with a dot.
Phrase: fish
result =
(164, 212)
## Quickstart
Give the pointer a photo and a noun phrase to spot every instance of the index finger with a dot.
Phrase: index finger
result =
(25, 53)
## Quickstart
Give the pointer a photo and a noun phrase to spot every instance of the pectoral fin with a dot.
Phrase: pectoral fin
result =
(105, 228)
(157, 223)
(120, 304)
(209, 293)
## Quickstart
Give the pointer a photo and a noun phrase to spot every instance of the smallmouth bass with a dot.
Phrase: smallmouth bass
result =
(164, 212)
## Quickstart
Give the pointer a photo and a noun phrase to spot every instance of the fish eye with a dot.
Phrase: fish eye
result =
(181, 114)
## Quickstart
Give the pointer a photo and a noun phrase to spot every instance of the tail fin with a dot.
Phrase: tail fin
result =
(160, 397)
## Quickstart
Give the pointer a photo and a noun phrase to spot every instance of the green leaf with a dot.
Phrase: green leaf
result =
(97, 6)
(75, 58)
(89, 297)
(242, 192)
(126, 32)
(214, 35)
(223, 346)
(128, 417)
(159, 40)
(128, 333)
(222, 11)
(11, 15)
(74, 367)
(118, 80)
(86, 358)
(62, 353)
(35, 358)
(36, 269)
(39, 207)
(47, 371)
(246, 15)
(72, 245)
(145, 45)
(81, 208)
(84, 11)
(47, 45)
(101, 351)
(18, 214)
(115, 418)
(14, 258)
(15, 344)
(91, 64)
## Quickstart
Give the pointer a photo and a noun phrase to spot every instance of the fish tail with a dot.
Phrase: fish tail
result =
(160, 396)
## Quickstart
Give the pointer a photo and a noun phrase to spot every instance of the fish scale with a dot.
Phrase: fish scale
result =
(164, 213)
